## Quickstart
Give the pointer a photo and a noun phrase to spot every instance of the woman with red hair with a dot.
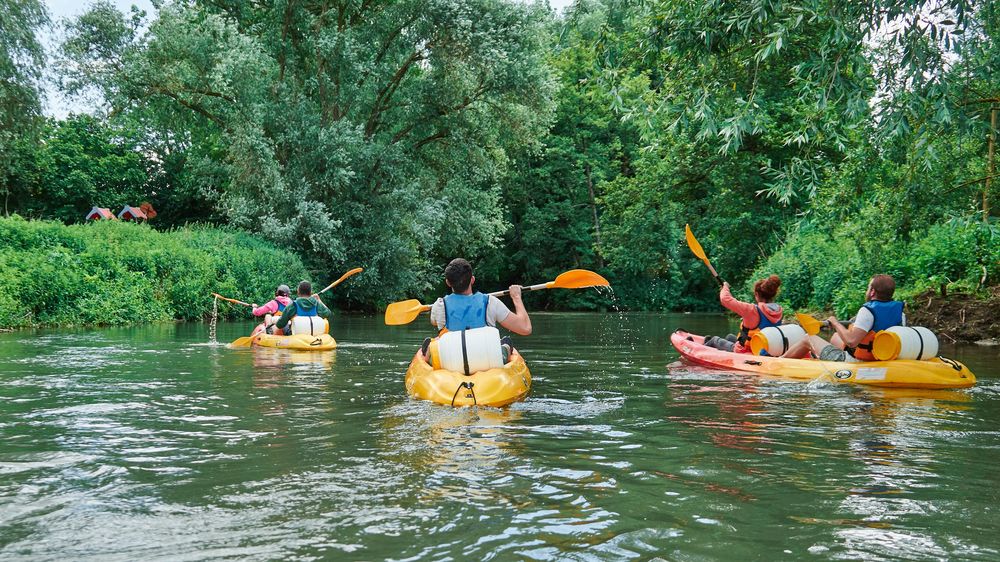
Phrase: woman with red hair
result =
(753, 316)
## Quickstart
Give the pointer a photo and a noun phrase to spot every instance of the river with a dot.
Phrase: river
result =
(150, 443)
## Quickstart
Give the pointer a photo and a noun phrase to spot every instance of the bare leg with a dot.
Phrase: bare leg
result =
(798, 351)
(836, 341)
(813, 344)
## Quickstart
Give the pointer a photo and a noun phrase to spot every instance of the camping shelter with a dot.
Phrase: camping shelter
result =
(100, 214)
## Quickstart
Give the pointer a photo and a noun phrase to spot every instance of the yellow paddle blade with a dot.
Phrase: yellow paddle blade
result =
(242, 342)
(699, 252)
(808, 323)
(343, 278)
(399, 313)
(578, 279)
(693, 243)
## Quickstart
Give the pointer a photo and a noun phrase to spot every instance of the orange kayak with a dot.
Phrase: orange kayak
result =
(939, 372)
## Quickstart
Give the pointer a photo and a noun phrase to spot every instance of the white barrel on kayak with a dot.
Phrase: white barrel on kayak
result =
(480, 347)
(905, 342)
(309, 325)
(776, 339)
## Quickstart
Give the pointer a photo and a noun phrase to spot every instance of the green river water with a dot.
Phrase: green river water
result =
(149, 443)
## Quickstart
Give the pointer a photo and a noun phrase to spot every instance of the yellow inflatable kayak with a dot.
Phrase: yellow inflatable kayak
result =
(493, 387)
(303, 342)
(939, 372)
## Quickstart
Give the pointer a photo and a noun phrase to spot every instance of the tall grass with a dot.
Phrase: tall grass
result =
(123, 273)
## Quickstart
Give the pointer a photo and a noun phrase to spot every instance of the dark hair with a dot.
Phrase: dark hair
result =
(305, 289)
(282, 291)
(884, 286)
(767, 288)
(459, 275)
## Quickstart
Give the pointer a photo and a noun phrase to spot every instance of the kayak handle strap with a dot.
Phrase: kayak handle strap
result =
(468, 385)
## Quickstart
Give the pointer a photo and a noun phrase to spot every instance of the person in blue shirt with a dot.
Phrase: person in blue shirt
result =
(464, 309)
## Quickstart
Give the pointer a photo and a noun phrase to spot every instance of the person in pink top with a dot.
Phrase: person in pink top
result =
(277, 304)
(753, 316)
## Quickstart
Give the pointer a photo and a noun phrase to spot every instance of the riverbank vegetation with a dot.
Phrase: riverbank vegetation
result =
(818, 141)
(122, 273)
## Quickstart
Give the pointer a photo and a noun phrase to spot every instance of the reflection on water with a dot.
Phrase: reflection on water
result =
(143, 443)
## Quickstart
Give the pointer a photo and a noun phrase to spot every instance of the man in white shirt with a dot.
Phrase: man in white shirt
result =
(854, 344)
(464, 309)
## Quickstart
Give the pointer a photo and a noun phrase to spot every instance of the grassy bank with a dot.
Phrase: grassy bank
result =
(123, 273)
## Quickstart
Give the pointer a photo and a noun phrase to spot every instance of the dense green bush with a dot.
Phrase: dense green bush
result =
(958, 252)
(124, 273)
(826, 269)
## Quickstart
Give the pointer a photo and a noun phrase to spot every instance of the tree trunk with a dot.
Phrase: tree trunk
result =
(990, 165)
(593, 208)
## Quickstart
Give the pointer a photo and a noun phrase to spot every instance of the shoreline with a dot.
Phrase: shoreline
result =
(958, 318)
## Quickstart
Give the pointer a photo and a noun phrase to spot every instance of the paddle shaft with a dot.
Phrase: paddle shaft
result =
(218, 296)
(341, 280)
(498, 294)
(715, 275)
(537, 287)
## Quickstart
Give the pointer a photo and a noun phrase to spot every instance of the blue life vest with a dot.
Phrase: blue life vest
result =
(299, 311)
(281, 307)
(465, 312)
(762, 322)
(886, 313)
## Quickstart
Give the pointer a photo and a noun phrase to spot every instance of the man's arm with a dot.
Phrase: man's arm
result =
(851, 337)
(321, 309)
(286, 317)
(517, 321)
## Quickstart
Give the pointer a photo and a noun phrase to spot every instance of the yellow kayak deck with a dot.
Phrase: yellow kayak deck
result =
(493, 387)
(302, 342)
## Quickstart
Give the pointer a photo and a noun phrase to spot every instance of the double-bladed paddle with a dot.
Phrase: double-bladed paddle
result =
(808, 323)
(813, 326)
(399, 313)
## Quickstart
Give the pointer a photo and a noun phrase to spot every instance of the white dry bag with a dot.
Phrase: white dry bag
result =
(309, 325)
(776, 339)
(470, 351)
(905, 342)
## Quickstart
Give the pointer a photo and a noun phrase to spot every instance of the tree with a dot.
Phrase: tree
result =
(22, 59)
(82, 162)
(359, 132)
(554, 194)
(711, 66)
